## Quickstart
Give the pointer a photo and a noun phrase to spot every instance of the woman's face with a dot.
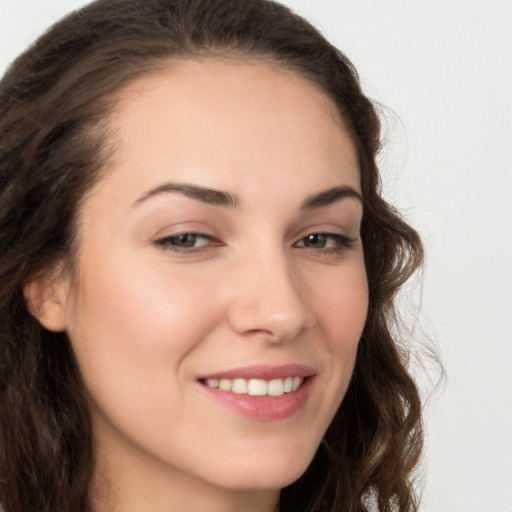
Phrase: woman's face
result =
(220, 251)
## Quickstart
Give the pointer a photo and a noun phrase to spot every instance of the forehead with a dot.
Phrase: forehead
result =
(242, 77)
(228, 119)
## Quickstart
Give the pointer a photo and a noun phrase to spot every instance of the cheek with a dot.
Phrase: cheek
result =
(341, 306)
(138, 322)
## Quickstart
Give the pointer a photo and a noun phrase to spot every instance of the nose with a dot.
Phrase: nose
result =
(268, 300)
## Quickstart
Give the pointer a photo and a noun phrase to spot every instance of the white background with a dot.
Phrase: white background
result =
(444, 67)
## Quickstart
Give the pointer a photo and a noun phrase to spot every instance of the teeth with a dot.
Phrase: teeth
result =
(213, 383)
(239, 386)
(257, 387)
(276, 387)
(225, 384)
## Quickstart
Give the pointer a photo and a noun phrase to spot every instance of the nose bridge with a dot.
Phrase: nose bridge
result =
(268, 298)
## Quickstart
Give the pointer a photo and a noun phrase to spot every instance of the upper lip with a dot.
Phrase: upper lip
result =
(263, 372)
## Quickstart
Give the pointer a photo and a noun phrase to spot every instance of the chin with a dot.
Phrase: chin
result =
(274, 472)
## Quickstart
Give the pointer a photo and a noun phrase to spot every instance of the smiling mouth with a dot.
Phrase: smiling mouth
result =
(264, 393)
(256, 387)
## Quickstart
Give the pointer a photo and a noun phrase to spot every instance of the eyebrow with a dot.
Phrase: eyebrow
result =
(221, 198)
(330, 196)
(204, 194)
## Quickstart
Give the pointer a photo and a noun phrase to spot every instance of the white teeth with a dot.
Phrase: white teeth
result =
(297, 381)
(225, 384)
(257, 387)
(239, 386)
(213, 383)
(275, 387)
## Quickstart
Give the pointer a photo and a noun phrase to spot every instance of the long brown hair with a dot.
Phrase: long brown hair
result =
(55, 102)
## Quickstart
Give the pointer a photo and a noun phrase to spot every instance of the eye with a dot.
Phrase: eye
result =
(186, 241)
(325, 241)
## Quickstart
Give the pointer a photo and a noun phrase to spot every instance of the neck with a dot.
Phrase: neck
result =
(128, 478)
(138, 489)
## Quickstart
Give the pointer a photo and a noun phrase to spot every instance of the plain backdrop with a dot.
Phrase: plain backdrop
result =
(444, 69)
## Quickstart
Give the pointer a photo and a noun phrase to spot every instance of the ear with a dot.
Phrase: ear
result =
(45, 295)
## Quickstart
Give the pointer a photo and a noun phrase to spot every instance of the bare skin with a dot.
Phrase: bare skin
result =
(208, 247)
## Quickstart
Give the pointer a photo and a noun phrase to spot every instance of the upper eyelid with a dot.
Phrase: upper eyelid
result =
(195, 228)
(327, 229)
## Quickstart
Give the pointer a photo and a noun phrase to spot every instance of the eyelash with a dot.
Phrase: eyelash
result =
(341, 242)
(168, 243)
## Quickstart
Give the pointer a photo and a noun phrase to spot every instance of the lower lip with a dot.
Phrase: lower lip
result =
(264, 407)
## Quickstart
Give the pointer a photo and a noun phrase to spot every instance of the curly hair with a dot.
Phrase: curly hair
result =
(55, 101)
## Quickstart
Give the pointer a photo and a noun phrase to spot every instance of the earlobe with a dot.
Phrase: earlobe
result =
(45, 299)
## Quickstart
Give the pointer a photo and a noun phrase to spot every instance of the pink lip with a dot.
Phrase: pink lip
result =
(263, 372)
(263, 407)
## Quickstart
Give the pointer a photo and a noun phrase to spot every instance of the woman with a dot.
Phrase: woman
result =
(198, 270)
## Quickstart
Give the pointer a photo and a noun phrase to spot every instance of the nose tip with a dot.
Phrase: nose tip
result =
(272, 306)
